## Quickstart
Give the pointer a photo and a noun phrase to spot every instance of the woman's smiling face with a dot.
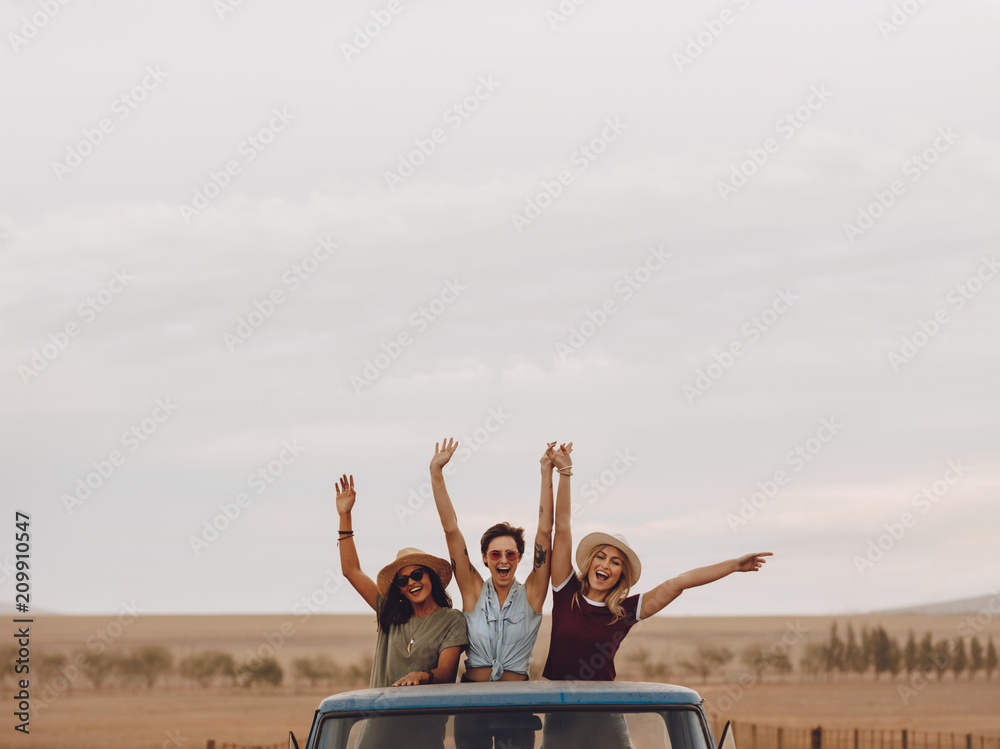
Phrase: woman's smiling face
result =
(502, 558)
(415, 591)
(606, 570)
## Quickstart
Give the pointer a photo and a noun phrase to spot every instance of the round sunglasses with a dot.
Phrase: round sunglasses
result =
(496, 555)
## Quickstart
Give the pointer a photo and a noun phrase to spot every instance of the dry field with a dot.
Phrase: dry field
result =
(174, 715)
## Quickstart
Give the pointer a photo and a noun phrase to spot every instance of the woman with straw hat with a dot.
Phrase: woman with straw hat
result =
(420, 636)
(593, 610)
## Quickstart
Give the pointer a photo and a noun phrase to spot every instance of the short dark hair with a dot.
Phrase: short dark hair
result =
(397, 608)
(499, 531)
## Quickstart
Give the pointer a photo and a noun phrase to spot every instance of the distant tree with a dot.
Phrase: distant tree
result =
(207, 666)
(359, 673)
(813, 660)
(752, 657)
(48, 665)
(656, 670)
(910, 654)
(853, 656)
(99, 666)
(941, 659)
(959, 660)
(867, 650)
(976, 660)
(317, 669)
(778, 662)
(885, 652)
(648, 668)
(266, 673)
(708, 658)
(304, 671)
(147, 664)
(895, 657)
(834, 652)
(990, 663)
(925, 656)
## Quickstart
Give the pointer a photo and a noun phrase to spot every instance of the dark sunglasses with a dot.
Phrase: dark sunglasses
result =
(497, 555)
(416, 576)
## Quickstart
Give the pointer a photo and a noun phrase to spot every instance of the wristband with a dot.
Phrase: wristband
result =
(430, 674)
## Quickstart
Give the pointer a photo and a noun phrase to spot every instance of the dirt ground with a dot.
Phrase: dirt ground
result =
(176, 716)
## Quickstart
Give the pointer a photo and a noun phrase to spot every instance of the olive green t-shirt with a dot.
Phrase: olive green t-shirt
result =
(430, 634)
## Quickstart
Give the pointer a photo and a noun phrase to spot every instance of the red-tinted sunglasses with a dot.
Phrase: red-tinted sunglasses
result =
(496, 555)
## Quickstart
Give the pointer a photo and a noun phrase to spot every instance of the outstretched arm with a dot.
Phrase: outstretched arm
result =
(664, 593)
(349, 563)
(562, 539)
(470, 583)
(537, 584)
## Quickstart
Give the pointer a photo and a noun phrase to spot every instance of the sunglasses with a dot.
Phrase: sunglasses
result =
(496, 556)
(403, 580)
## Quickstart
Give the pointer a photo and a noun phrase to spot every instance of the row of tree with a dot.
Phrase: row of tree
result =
(151, 665)
(876, 652)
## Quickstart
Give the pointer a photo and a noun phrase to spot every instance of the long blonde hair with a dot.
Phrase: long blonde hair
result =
(617, 594)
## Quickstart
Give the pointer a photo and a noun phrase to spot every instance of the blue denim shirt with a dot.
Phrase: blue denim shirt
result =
(501, 639)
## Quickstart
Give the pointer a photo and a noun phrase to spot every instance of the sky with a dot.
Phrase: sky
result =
(742, 254)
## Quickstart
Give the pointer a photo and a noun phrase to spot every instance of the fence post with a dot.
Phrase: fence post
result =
(968, 741)
(210, 744)
(857, 738)
(779, 739)
(753, 736)
(904, 743)
(817, 737)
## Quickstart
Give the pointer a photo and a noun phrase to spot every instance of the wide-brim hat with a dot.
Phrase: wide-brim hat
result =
(406, 557)
(592, 540)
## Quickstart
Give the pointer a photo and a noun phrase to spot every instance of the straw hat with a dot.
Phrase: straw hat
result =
(593, 540)
(406, 557)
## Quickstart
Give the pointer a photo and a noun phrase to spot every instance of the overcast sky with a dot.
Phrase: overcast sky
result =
(725, 248)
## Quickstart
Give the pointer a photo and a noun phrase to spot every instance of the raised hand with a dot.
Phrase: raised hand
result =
(560, 458)
(752, 562)
(345, 495)
(546, 460)
(442, 453)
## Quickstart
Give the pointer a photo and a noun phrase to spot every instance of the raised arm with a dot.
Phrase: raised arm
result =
(562, 538)
(666, 592)
(349, 563)
(537, 584)
(470, 582)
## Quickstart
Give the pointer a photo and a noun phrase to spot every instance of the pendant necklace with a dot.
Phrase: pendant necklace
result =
(414, 632)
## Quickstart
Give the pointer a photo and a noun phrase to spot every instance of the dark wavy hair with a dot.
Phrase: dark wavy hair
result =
(499, 531)
(397, 608)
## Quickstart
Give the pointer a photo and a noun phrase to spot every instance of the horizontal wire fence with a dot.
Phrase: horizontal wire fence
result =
(753, 736)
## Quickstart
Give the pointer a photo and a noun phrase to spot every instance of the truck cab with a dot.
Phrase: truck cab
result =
(517, 715)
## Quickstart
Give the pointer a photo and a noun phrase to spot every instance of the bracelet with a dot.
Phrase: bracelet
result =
(430, 674)
(562, 471)
(346, 533)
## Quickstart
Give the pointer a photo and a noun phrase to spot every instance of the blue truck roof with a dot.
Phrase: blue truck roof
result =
(513, 693)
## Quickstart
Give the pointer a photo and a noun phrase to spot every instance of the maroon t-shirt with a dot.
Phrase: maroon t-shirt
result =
(584, 641)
